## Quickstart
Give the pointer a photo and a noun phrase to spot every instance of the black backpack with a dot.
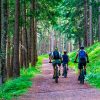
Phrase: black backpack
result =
(56, 55)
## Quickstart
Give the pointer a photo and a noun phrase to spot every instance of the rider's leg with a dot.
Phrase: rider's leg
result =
(59, 68)
(79, 70)
(53, 63)
(85, 68)
(63, 69)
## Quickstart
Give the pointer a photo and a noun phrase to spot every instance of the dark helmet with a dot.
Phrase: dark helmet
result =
(82, 47)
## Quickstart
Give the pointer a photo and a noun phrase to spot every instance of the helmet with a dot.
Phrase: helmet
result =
(82, 47)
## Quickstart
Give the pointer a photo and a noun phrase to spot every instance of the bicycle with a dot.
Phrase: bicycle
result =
(81, 77)
(56, 74)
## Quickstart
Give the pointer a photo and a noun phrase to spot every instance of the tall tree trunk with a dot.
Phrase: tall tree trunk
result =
(90, 30)
(20, 37)
(33, 37)
(16, 68)
(11, 58)
(0, 45)
(8, 58)
(8, 47)
(85, 24)
(30, 38)
(20, 49)
(4, 23)
(25, 42)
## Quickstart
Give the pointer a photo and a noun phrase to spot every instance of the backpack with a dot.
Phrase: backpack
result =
(56, 55)
(82, 54)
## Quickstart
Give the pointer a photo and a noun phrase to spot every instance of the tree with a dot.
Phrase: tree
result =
(0, 45)
(85, 24)
(4, 23)
(90, 30)
(33, 31)
(24, 37)
(16, 68)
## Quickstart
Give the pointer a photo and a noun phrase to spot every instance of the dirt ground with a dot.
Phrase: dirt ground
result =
(45, 88)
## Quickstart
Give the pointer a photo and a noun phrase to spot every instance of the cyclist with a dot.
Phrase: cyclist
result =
(65, 60)
(82, 60)
(56, 57)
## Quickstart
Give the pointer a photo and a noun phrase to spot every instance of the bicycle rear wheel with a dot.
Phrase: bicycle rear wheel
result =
(56, 74)
(82, 77)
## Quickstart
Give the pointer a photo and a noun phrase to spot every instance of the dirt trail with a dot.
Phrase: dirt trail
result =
(44, 87)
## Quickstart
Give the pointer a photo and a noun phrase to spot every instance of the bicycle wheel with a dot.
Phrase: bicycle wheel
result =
(82, 77)
(56, 74)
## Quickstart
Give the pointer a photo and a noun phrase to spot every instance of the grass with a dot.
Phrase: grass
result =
(93, 68)
(15, 87)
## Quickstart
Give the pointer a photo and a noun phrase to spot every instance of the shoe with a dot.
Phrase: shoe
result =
(50, 62)
(67, 68)
(53, 77)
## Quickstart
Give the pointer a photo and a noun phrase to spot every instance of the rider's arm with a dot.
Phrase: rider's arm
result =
(52, 56)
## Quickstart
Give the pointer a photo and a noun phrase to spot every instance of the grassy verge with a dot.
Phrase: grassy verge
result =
(19, 86)
(93, 68)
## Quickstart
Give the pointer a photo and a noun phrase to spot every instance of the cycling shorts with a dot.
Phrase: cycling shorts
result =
(58, 62)
(82, 63)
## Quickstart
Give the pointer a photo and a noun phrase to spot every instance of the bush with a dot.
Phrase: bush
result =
(15, 87)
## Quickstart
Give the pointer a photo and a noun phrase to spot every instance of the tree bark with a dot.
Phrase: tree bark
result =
(25, 42)
(0, 45)
(90, 29)
(4, 23)
(34, 35)
(85, 24)
(16, 67)
(8, 57)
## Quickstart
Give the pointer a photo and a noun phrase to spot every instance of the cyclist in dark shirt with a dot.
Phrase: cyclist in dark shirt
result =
(56, 59)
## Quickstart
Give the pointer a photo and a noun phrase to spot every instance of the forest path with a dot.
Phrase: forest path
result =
(45, 88)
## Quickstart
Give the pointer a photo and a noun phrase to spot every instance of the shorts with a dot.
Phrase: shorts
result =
(81, 64)
(58, 62)
(63, 64)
